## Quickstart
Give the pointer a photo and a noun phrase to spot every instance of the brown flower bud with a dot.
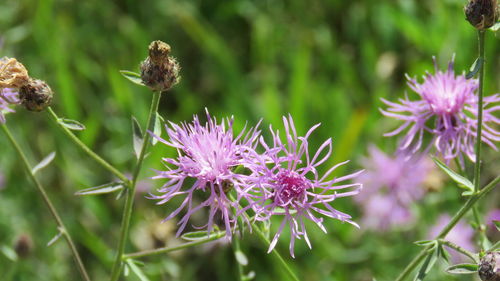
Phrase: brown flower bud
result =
(36, 95)
(23, 246)
(13, 74)
(481, 14)
(160, 71)
(489, 267)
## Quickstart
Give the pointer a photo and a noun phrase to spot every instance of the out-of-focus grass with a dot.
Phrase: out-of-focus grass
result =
(320, 61)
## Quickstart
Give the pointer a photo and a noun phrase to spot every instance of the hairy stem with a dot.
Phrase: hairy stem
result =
(86, 149)
(459, 249)
(477, 167)
(48, 202)
(465, 208)
(129, 200)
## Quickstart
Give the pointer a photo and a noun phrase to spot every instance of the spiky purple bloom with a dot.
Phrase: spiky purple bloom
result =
(391, 184)
(447, 109)
(290, 186)
(208, 154)
(462, 235)
(7, 98)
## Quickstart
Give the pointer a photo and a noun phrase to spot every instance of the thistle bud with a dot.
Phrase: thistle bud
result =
(23, 246)
(160, 71)
(36, 95)
(481, 14)
(489, 267)
(13, 74)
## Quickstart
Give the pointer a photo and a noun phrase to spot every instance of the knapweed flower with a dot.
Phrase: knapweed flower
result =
(7, 98)
(391, 184)
(462, 235)
(291, 187)
(208, 154)
(447, 109)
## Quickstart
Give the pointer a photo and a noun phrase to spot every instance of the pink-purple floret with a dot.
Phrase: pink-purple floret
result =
(8, 97)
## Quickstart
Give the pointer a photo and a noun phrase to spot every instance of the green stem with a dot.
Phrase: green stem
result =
(237, 248)
(494, 247)
(49, 204)
(459, 249)
(86, 149)
(129, 200)
(165, 250)
(477, 167)
(465, 208)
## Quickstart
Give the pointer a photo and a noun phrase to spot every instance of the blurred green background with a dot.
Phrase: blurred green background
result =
(322, 61)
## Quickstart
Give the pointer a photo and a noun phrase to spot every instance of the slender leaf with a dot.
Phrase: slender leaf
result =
(137, 137)
(497, 224)
(55, 238)
(158, 120)
(199, 235)
(132, 76)
(424, 242)
(44, 163)
(426, 266)
(9, 253)
(442, 253)
(463, 268)
(136, 270)
(101, 189)
(474, 69)
(454, 176)
(71, 124)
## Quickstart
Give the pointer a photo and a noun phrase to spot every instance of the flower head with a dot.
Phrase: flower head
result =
(447, 109)
(208, 154)
(391, 185)
(290, 186)
(7, 98)
(462, 235)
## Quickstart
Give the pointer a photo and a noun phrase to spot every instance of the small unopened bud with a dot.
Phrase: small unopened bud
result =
(489, 267)
(13, 74)
(481, 14)
(160, 71)
(23, 246)
(36, 95)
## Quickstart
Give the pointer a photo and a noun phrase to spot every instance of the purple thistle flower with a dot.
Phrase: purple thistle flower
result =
(462, 235)
(447, 109)
(292, 188)
(390, 186)
(208, 154)
(7, 98)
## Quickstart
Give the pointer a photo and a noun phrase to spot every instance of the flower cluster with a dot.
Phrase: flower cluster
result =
(447, 109)
(391, 186)
(283, 181)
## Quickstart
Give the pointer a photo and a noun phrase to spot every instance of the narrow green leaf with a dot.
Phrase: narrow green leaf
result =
(132, 76)
(200, 235)
(497, 224)
(424, 242)
(101, 189)
(158, 120)
(241, 258)
(474, 69)
(442, 253)
(71, 124)
(426, 266)
(137, 137)
(9, 253)
(53, 240)
(454, 176)
(463, 268)
(44, 163)
(136, 270)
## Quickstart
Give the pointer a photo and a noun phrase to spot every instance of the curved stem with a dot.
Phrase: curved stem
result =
(477, 167)
(48, 202)
(129, 200)
(86, 149)
(459, 249)
(465, 208)
(165, 250)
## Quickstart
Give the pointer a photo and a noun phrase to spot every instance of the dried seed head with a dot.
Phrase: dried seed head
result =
(23, 246)
(481, 14)
(489, 267)
(36, 95)
(13, 74)
(159, 71)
